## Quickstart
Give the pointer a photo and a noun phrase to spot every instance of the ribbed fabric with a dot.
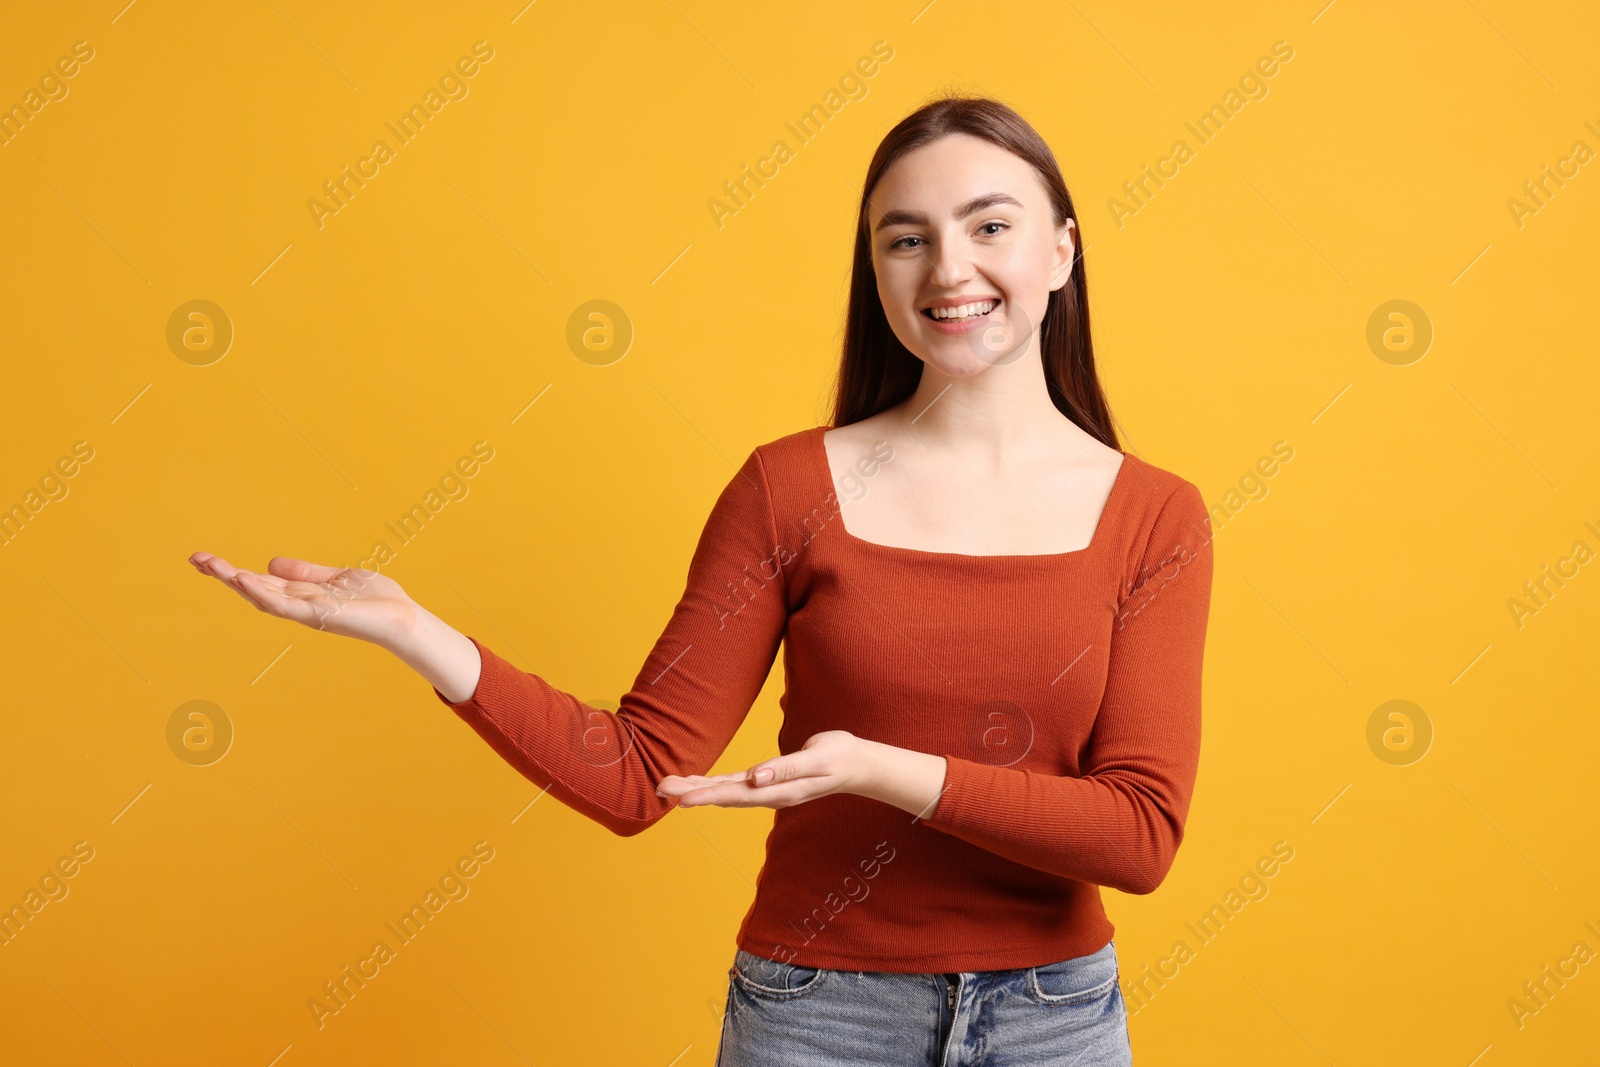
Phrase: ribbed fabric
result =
(1063, 691)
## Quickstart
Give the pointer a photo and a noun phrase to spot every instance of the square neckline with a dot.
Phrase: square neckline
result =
(1113, 498)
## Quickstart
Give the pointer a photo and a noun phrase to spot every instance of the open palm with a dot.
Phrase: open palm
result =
(338, 600)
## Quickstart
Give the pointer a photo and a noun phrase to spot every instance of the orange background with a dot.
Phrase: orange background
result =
(431, 312)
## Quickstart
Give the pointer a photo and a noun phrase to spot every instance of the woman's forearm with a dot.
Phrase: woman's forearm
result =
(901, 777)
(442, 655)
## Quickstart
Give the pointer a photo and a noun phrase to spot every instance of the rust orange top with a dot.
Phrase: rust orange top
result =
(1062, 689)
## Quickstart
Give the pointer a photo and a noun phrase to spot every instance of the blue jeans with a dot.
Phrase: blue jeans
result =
(1066, 1014)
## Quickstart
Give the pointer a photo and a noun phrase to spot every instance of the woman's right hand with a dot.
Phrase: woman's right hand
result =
(338, 600)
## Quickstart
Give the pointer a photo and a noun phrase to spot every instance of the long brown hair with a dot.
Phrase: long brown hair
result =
(877, 371)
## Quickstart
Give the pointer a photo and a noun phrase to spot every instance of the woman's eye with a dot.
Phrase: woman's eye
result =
(985, 229)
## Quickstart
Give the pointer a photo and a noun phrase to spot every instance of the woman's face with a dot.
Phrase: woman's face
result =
(963, 222)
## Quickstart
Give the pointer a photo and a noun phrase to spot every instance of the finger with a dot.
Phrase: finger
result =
(299, 570)
(218, 568)
(210, 563)
(676, 785)
(742, 795)
(263, 584)
(803, 763)
(249, 586)
(733, 777)
(239, 583)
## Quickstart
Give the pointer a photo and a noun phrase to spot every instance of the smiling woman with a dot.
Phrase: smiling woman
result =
(963, 690)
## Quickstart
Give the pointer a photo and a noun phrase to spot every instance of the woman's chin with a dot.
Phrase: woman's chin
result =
(954, 362)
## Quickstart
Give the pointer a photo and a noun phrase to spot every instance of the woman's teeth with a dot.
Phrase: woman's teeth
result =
(965, 311)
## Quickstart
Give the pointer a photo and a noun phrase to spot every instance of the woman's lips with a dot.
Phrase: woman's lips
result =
(956, 327)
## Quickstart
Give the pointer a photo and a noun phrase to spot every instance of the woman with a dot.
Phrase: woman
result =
(992, 655)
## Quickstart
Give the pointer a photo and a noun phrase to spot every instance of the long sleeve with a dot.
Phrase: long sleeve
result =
(1119, 823)
(688, 700)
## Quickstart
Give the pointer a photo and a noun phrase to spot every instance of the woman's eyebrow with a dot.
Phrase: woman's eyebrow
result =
(971, 207)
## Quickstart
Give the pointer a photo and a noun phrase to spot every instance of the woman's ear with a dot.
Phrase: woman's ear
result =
(1066, 253)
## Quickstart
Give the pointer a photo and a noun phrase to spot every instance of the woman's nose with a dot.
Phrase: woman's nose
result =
(952, 264)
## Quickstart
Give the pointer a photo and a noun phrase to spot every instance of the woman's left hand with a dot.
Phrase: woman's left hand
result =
(829, 762)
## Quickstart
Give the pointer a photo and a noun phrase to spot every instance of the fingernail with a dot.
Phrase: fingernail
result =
(763, 776)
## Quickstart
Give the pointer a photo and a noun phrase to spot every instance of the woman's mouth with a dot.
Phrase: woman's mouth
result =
(954, 320)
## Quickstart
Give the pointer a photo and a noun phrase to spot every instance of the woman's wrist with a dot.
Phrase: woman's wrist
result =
(900, 777)
(443, 655)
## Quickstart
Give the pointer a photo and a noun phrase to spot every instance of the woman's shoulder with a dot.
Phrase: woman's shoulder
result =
(1163, 514)
(1157, 486)
(791, 461)
(783, 474)
(791, 444)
